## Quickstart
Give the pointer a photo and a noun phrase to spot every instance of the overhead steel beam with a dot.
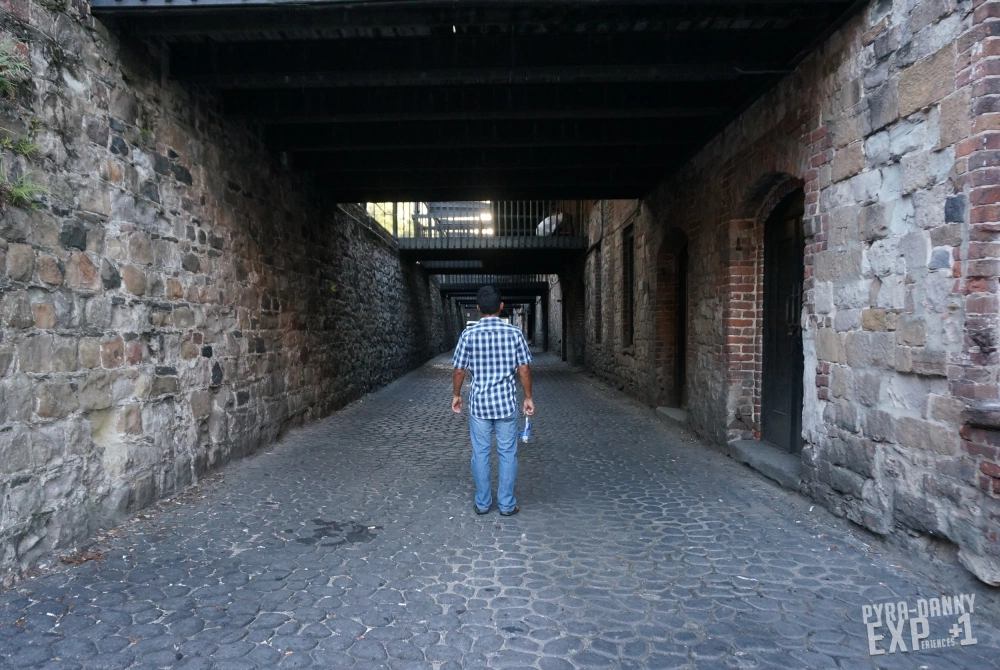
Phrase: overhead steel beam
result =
(292, 118)
(485, 135)
(451, 158)
(594, 74)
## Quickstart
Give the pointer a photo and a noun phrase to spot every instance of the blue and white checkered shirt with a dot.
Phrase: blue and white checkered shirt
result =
(491, 350)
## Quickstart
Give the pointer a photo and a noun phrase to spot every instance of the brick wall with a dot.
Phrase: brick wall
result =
(890, 129)
(175, 300)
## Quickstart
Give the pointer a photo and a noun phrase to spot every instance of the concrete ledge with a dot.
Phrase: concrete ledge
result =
(769, 460)
(674, 414)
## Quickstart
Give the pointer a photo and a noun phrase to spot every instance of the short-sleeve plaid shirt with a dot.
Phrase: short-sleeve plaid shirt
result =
(491, 350)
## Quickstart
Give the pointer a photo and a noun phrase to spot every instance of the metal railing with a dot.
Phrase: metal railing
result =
(480, 219)
(448, 281)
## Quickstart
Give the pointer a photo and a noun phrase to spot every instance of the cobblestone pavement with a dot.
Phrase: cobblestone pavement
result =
(353, 543)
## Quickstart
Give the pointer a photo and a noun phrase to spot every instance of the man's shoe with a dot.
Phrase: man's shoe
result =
(511, 512)
(480, 512)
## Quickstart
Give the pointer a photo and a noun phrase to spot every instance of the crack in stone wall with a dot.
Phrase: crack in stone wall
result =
(176, 300)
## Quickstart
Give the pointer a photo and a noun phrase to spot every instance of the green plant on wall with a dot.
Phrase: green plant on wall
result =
(22, 147)
(23, 192)
(14, 68)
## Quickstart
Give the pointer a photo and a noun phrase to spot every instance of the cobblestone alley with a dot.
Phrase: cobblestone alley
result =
(353, 543)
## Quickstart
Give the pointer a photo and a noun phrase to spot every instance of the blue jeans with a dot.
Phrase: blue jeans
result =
(481, 431)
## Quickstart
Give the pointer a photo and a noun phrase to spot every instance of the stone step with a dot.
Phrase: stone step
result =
(674, 413)
(769, 460)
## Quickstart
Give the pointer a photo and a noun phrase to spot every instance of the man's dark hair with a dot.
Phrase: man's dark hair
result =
(488, 299)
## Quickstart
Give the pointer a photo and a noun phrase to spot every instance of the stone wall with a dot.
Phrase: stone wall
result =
(176, 300)
(891, 130)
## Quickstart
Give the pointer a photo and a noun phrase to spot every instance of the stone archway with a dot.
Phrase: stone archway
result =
(670, 317)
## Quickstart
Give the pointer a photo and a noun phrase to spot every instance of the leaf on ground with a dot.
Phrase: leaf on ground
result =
(82, 557)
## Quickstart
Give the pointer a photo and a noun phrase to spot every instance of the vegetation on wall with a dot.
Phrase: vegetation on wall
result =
(14, 71)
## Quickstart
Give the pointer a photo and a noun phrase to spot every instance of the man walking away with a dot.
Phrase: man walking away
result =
(493, 352)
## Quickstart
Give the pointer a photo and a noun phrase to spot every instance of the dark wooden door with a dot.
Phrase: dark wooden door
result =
(781, 386)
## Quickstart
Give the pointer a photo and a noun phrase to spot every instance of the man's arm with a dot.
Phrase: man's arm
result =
(457, 377)
(524, 372)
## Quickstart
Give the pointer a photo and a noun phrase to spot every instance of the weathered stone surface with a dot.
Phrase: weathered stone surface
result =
(49, 270)
(56, 400)
(135, 280)
(44, 314)
(927, 81)
(926, 436)
(73, 235)
(81, 273)
(138, 283)
(20, 262)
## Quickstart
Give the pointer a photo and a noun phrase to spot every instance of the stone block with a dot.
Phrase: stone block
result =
(135, 279)
(56, 400)
(880, 426)
(73, 235)
(867, 385)
(883, 258)
(847, 415)
(34, 354)
(940, 259)
(191, 263)
(955, 121)
(15, 451)
(863, 349)
(915, 248)
(929, 363)
(190, 351)
(112, 353)
(201, 404)
(175, 290)
(829, 346)
(110, 277)
(911, 330)
(182, 317)
(90, 353)
(926, 436)
(947, 409)
(916, 172)
(44, 315)
(140, 249)
(20, 262)
(916, 511)
(842, 381)
(49, 271)
(883, 105)
(848, 161)
(130, 419)
(64, 354)
(95, 391)
(15, 310)
(949, 235)
(927, 81)
(82, 274)
(873, 319)
(954, 211)
(163, 386)
(873, 221)
(845, 481)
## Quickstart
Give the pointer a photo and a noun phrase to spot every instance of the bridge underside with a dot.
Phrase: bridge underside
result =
(431, 100)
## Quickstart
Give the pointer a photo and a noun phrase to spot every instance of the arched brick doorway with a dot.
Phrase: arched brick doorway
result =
(670, 310)
(782, 369)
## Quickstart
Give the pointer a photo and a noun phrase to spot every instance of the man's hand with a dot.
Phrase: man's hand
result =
(457, 377)
(529, 407)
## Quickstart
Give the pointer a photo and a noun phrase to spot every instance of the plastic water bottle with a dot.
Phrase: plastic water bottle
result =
(526, 431)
